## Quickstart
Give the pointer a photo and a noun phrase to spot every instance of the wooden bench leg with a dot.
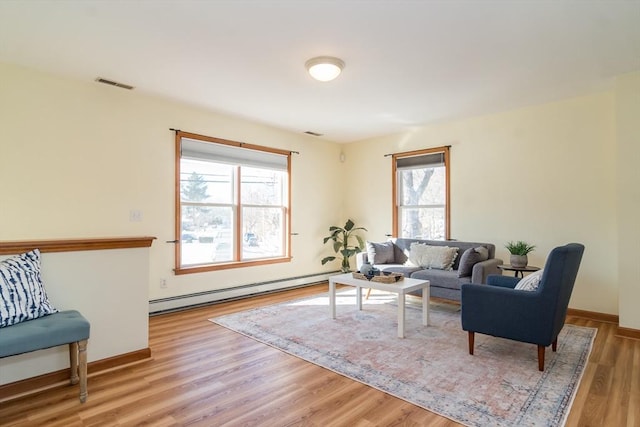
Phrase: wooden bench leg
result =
(73, 359)
(82, 368)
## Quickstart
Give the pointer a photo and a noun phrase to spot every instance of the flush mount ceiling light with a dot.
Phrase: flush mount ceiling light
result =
(324, 68)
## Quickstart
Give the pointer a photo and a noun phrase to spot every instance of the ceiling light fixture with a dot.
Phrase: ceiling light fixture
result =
(324, 68)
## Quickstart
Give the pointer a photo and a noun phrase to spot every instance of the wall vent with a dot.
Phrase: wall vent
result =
(112, 83)
(313, 133)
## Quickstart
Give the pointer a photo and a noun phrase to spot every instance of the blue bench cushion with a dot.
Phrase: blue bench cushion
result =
(48, 331)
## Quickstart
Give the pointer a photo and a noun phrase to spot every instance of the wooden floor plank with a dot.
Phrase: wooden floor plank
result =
(202, 374)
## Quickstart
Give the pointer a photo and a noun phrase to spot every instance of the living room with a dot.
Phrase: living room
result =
(78, 157)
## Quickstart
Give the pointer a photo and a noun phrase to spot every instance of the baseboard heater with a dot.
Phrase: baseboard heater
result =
(181, 302)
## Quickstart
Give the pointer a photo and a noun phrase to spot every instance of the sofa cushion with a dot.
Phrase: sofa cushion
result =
(433, 257)
(380, 253)
(22, 295)
(471, 257)
(406, 270)
(440, 278)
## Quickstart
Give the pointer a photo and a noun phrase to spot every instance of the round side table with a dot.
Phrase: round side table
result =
(518, 271)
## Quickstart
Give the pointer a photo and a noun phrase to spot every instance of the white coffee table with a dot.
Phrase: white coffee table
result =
(400, 288)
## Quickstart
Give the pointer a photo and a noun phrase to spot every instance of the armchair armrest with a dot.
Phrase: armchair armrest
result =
(507, 313)
(502, 281)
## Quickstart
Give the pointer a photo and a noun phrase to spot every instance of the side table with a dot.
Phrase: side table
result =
(518, 271)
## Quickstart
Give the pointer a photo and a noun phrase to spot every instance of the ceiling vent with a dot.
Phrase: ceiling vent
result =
(313, 133)
(112, 83)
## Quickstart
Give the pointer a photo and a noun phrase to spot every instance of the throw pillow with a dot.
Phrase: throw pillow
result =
(530, 282)
(435, 257)
(442, 257)
(380, 253)
(418, 255)
(471, 257)
(484, 252)
(22, 295)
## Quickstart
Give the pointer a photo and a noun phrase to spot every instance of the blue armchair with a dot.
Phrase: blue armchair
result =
(535, 317)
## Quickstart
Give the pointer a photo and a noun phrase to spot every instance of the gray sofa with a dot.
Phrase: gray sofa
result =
(444, 283)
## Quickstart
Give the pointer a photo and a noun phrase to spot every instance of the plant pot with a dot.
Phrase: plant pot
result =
(519, 261)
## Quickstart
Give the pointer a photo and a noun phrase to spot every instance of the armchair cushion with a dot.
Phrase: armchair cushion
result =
(531, 282)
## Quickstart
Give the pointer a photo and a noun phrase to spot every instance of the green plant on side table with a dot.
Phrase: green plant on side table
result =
(341, 236)
(519, 251)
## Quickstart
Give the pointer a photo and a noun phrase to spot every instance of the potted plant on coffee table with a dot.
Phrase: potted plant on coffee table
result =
(341, 236)
(519, 251)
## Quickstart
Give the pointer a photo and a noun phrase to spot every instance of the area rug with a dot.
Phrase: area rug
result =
(431, 367)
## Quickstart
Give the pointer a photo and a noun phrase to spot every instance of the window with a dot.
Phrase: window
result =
(232, 204)
(421, 194)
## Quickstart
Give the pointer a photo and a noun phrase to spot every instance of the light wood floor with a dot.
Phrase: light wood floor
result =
(203, 374)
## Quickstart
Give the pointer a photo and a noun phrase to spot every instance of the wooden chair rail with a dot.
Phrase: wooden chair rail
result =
(68, 245)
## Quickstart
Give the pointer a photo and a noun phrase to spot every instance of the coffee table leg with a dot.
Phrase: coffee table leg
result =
(401, 302)
(332, 298)
(426, 295)
(359, 297)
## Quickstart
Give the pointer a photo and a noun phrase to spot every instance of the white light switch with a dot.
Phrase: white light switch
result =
(135, 216)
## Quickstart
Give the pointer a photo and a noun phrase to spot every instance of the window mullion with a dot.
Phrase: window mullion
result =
(238, 222)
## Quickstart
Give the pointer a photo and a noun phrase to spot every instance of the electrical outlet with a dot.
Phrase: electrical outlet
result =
(163, 283)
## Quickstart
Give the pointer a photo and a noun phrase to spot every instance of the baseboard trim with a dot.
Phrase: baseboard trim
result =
(61, 377)
(609, 318)
(628, 333)
(594, 315)
(116, 362)
(182, 302)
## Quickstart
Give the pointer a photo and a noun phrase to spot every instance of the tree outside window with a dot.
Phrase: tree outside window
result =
(421, 194)
(233, 205)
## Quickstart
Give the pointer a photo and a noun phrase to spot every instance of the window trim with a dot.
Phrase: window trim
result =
(177, 213)
(394, 186)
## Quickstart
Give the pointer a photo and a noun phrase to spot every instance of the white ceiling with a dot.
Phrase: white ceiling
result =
(408, 63)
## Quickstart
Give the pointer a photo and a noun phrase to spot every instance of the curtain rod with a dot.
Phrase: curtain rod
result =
(393, 154)
(241, 143)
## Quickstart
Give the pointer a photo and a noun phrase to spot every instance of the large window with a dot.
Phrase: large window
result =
(232, 204)
(421, 194)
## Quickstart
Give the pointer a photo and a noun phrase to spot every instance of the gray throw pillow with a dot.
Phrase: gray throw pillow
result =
(469, 258)
(380, 253)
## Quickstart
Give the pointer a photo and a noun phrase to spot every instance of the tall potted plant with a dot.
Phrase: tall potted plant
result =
(519, 251)
(341, 238)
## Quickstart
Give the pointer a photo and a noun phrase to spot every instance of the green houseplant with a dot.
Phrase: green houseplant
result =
(341, 238)
(519, 251)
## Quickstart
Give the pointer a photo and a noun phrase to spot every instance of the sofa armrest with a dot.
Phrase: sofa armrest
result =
(482, 270)
(361, 258)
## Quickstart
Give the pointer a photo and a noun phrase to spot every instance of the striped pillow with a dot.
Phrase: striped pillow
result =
(22, 295)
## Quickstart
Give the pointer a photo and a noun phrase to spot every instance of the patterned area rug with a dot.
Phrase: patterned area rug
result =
(499, 386)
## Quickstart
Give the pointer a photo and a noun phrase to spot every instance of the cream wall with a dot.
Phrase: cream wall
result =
(628, 180)
(76, 157)
(544, 174)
